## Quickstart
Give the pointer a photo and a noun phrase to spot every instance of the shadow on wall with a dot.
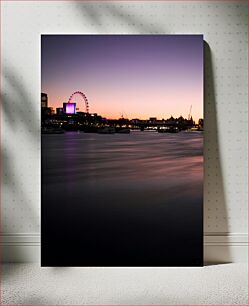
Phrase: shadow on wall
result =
(215, 211)
(123, 17)
(20, 118)
(18, 109)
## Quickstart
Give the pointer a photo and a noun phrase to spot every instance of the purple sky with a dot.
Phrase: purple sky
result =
(139, 76)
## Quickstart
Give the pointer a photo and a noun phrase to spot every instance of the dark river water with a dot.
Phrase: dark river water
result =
(122, 199)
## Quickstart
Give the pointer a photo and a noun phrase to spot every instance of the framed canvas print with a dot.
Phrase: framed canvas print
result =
(122, 150)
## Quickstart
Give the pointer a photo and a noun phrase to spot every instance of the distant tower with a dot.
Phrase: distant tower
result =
(44, 100)
(189, 114)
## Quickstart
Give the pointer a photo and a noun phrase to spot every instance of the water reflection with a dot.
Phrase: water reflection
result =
(139, 156)
(122, 200)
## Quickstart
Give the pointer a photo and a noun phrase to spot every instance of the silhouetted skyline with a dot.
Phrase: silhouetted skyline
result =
(138, 76)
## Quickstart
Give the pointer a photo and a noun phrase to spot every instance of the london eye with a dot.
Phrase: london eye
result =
(84, 98)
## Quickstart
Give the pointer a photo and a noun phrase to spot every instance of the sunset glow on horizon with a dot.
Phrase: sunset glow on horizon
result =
(134, 76)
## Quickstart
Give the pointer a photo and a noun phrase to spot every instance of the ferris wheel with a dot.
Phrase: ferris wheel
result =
(84, 98)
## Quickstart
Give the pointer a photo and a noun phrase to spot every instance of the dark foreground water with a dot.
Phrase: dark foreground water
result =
(122, 199)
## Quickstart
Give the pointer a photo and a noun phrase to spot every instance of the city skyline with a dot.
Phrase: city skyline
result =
(62, 111)
(137, 76)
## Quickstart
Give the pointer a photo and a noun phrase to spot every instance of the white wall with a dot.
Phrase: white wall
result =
(224, 25)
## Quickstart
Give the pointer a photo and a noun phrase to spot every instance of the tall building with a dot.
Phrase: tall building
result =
(69, 108)
(44, 100)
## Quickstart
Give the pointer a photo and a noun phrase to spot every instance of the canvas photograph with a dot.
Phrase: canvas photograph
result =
(122, 150)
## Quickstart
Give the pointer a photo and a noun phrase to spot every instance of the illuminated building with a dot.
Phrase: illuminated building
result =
(69, 108)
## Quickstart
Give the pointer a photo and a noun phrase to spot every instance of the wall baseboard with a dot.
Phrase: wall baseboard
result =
(20, 247)
(218, 247)
(225, 247)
